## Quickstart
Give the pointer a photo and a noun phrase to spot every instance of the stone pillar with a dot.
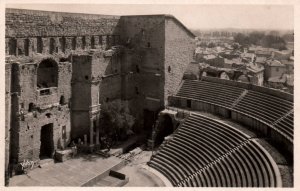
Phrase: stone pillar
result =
(97, 135)
(78, 42)
(6, 46)
(68, 46)
(96, 41)
(20, 46)
(91, 132)
(87, 42)
(85, 139)
(45, 43)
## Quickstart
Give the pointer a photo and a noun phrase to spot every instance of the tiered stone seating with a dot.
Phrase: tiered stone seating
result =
(263, 106)
(218, 94)
(207, 153)
(286, 125)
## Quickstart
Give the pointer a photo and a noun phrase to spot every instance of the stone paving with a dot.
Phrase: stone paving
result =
(73, 172)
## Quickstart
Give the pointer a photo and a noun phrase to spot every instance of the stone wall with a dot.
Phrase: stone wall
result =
(99, 59)
(29, 32)
(31, 109)
(32, 23)
(29, 133)
(143, 63)
(95, 79)
(179, 50)
(7, 117)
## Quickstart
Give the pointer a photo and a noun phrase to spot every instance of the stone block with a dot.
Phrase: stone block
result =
(64, 155)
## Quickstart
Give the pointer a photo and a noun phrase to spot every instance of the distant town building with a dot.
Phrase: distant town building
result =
(274, 68)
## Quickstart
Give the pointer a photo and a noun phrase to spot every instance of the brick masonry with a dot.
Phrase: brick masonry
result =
(97, 59)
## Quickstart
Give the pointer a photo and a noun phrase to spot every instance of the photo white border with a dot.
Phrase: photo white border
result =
(296, 4)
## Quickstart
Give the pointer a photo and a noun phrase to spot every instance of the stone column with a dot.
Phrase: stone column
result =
(91, 132)
(85, 139)
(97, 135)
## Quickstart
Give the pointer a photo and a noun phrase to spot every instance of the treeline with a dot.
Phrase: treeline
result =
(261, 39)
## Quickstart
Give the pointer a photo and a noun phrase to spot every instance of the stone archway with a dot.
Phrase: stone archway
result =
(224, 75)
(164, 129)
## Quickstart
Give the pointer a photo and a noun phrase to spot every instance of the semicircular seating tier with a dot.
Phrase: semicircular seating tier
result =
(208, 153)
(214, 93)
(274, 111)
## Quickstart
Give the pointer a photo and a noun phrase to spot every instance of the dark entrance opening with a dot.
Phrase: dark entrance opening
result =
(47, 145)
(165, 128)
(149, 119)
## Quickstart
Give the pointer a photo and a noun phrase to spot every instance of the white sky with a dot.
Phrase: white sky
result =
(194, 16)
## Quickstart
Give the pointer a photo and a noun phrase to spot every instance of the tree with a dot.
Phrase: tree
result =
(259, 38)
(116, 120)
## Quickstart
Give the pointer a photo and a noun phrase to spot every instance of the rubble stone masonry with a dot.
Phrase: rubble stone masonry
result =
(65, 65)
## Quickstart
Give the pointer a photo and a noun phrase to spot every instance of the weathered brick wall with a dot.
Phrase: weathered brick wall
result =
(138, 74)
(31, 23)
(7, 115)
(28, 32)
(179, 50)
(27, 123)
(81, 93)
(96, 79)
(26, 75)
(30, 131)
(145, 37)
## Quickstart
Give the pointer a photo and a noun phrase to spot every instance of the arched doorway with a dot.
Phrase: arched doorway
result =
(243, 78)
(224, 75)
(165, 128)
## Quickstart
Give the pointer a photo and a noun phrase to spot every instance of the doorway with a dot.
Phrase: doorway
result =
(149, 119)
(165, 129)
(47, 144)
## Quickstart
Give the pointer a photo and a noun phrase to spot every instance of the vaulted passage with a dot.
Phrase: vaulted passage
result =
(47, 145)
(165, 129)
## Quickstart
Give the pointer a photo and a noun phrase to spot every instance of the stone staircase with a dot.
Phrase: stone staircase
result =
(239, 98)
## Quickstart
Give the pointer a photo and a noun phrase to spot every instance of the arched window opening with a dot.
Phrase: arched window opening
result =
(47, 74)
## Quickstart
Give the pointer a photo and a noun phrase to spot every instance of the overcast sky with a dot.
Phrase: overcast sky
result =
(193, 16)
